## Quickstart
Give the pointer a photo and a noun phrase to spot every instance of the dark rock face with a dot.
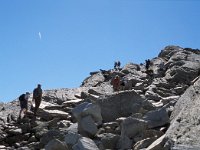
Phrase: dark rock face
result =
(154, 109)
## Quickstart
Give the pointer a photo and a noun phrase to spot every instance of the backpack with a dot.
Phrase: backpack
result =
(22, 97)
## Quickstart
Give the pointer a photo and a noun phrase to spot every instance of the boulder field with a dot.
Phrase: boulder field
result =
(155, 109)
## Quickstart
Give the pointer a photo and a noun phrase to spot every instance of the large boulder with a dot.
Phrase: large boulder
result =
(168, 51)
(131, 68)
(184, 128)
(50, 114)
(50, 135)
(56, 144)
(124, 143)
(85, 144)
(95, 79)
(183, 67)
(157, 118)
(109, 140)
(102, 89)
(59, 96)
(121, 104)
(9, 112)
(86, 109)
(40, 129)
(130, 127)
(71, 138)
(87, 126)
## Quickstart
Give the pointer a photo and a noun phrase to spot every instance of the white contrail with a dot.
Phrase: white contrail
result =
(40, 36)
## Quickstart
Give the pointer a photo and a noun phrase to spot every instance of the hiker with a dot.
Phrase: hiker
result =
(116, 83)
(37, 97)
(147, 64)
(23, 99)
(118, 64)
(115, 65)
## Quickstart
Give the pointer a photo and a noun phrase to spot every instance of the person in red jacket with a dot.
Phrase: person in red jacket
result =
(116, 83)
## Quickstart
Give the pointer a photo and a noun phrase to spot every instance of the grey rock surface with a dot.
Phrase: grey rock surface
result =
(56, 144)
(184, 128)
(130, 127)
(85, 144)
(157, 118)
(87, 126)
(121, 104)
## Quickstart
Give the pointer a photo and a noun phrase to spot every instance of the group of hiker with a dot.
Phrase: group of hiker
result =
(121, 83)
(37, 98)
(117, 65)
(116, 82)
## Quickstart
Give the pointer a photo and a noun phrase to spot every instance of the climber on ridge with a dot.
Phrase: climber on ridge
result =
(23, 100)
(117, 65)
(148, 62)
(37, 97)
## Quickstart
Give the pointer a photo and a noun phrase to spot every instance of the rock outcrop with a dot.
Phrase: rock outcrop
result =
(155, 109)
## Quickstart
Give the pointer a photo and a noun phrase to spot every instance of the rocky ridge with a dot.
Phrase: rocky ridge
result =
(156, 111)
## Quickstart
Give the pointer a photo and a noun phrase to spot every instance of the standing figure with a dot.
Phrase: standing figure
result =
(115, 65)
(116, 83)
(37, 97)
(118, 64)
(147, 64)
(23, 100)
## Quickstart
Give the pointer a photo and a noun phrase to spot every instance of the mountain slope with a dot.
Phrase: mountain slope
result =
(155, 109)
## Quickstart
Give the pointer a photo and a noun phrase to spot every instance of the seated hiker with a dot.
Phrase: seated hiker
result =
(23, 99)
(116, 83)
(37, 97)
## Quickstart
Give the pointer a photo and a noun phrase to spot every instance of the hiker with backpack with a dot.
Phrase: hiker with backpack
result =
(23, 100)
(37, 97)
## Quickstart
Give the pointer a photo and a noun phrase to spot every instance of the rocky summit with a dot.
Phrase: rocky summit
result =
(156, 108)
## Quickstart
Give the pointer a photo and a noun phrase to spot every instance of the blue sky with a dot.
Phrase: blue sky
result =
(57, 43)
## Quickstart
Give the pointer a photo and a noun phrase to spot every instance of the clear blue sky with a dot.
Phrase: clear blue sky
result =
(57, 43)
